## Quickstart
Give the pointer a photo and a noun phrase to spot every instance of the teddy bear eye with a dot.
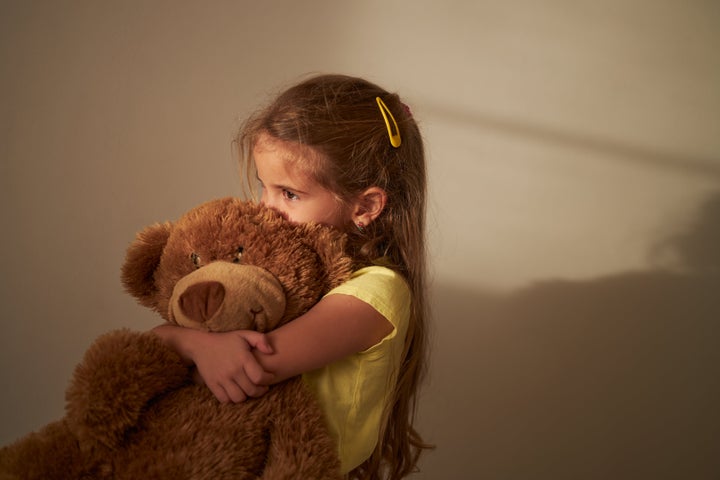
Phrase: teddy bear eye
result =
(238, 254)
(195, 259)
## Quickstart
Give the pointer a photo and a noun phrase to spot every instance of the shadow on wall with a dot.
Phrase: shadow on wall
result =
(617, 377)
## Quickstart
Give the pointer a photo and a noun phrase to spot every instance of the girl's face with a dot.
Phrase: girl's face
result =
(287, 188)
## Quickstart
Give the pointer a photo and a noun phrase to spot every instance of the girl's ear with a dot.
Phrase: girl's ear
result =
(368, 206)
(141, 261)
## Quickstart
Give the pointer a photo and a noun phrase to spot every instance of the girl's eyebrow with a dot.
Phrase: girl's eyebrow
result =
(291, 189)
(281, 186)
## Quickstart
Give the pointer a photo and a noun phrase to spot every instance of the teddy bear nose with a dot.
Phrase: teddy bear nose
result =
(202, 300)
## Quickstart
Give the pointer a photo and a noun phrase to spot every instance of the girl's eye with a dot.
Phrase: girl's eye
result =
(290, 195)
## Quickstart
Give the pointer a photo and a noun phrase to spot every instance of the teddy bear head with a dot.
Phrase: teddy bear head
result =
(231, 264)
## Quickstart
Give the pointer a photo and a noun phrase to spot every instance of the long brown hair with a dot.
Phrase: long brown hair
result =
(338, 118)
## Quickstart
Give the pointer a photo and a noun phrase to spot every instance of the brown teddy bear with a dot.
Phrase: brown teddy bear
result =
(133, 410)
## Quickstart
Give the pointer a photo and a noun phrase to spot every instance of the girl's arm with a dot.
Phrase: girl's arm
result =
(236, 365)
(337, 326)
(224, 361)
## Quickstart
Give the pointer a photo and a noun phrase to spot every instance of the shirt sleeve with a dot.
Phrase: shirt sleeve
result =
(383, 289)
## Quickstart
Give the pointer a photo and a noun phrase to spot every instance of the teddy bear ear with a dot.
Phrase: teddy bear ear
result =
(141, 261)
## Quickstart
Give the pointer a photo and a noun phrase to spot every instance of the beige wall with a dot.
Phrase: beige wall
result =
(574, 150)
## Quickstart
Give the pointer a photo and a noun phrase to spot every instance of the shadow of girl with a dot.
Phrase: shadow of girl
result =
(616, 377)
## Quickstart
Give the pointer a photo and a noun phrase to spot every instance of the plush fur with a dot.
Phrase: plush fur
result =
(133, 410)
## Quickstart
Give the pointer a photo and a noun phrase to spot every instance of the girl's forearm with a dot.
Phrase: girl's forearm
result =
(336, 327)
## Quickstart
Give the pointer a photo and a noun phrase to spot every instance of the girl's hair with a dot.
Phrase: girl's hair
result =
(339, 119)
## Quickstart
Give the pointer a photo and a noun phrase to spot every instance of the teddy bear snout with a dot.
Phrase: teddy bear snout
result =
(223, 296)
(201, 301)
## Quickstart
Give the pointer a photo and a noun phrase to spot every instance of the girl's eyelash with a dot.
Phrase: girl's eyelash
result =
(289, 195)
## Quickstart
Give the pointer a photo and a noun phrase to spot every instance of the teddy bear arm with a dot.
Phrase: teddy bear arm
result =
(120, 374)
(51, 452)
(300, 443)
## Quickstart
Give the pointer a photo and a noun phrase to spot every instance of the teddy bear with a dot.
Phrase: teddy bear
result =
(132, 408)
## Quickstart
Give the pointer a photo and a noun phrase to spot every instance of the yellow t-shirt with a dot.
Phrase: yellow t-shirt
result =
(353, 391)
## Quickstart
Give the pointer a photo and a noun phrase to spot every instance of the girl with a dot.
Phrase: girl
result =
(344, 152)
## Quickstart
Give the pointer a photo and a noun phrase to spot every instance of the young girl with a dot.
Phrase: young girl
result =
(344, 152)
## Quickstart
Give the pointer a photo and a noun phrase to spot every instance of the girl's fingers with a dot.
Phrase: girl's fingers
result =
(235, 393)
(219, 393)
(257, 375)
(256, 340)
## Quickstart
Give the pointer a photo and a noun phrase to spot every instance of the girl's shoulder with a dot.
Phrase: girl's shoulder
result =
(382, 287)
(377, 277)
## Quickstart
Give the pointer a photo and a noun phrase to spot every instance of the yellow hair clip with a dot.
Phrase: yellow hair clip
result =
(395, 139)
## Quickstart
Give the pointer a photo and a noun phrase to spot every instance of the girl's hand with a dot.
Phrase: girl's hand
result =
(224, 362)
(227, 365)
